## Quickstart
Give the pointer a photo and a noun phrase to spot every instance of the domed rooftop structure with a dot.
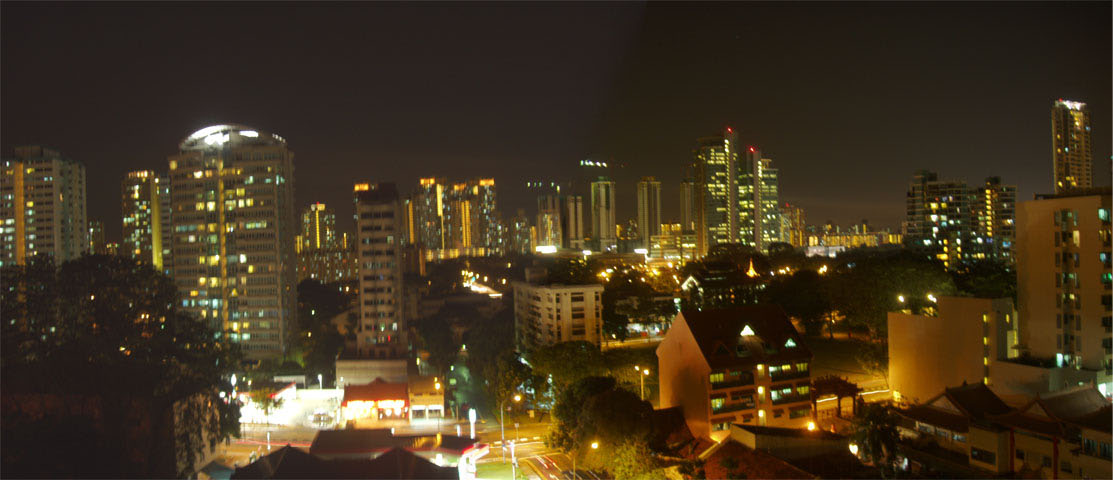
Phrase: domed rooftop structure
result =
(220, 136)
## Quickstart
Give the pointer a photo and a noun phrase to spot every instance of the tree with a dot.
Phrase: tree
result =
(266, 400)
(109, 331)
(874, 359)
(733, 467)
(633, 460)
(875, 433)
(435, 335)
(569, 406)
(801, 295)
(986, 279)
(567, 362)
(571, 271)
(509, 376)
(868, 286)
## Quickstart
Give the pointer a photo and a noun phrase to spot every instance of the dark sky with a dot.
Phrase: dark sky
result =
(848, 99)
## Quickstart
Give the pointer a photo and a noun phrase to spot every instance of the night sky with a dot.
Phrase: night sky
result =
(847, 99)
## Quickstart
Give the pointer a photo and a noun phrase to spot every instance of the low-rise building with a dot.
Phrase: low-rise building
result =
(442, 450)
(1061, 435)
(744, 365)
(545, 314)
(721, 285)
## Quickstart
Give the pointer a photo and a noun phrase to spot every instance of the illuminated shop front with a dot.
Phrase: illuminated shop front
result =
(378, 400)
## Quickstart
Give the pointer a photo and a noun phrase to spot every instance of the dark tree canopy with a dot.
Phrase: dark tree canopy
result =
(110, 330)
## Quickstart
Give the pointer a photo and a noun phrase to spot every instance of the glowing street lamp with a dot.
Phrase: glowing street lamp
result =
(932, 298)
(900, 298)
(502, 424)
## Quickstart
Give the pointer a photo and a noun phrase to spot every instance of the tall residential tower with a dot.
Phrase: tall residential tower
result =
(1071, 150)
(234, 234)
(42, 206)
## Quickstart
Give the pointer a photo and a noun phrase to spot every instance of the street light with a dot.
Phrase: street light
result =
(437, 387)
(900, 298)
(576, 475)
(502, 424)
(644, 373)
(320, 382)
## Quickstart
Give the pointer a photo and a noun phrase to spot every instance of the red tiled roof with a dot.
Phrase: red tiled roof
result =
(378, 390)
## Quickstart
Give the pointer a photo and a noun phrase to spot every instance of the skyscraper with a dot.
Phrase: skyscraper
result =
(716, 206)
(518, 233)
(485, 215)
(234, 234)
(649, 209)
(428, 209)
(547, 231)
(688, 205)
(572, 222)
(1071, 149)
(381, 332)
(759, 222)
(457, 217)
(143, 226)
(793, 225)
(97, 244)
(603, 229)
(42, 206)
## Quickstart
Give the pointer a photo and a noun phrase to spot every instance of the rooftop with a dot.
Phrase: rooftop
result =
(220, 136)
(290, 462)
(357, 441)
(751, 333)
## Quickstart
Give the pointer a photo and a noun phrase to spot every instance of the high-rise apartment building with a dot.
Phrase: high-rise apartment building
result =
(572, 221)
(547, 230)
(956, 221)
(485, 219)
(1071, 149)
(518, 233)
(994, 214)
(97, 243)
(381, 332)
(1063, 284)
(428, 210)
(716, 206)
(234, 232)
(688, 205)
(42, 206)
(323, 253)
(603, 231)
(144, 229)
(793, 225)
(318, 227)
(649, 209)
(457, 217)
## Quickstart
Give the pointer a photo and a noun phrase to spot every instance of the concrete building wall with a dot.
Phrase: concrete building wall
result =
(548, 314)
(684, 377)
(1063, 280)
(928, 354)
(990, 441)
(362, 372)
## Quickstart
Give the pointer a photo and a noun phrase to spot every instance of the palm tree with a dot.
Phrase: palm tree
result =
(876, 435)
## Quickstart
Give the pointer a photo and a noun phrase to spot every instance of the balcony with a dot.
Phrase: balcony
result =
(792, 399)
(732, 383)
(789, 375)
(732, 407)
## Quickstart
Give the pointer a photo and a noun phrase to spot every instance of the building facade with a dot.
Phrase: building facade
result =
(145, 225)
(234, 234)
(1071, 150)
(603, 231)
(649, 209)
(572, 222)
(97, 243)
(744, 365)
(42, 206)
(324, 254)
(549, 314)
(716, 195)
(1064, 280)
(962, 224)
(381, 332)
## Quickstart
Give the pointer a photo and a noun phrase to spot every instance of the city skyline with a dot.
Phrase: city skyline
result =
(933, 116)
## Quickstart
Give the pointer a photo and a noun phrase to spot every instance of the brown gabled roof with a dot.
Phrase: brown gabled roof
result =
(976, 400)
(718, 334)
(378, 390)
(751, 463)
(329, 443)
(292, 463)
(1100, 420)
(937, 417)
(1073, 403)
(1023, 420)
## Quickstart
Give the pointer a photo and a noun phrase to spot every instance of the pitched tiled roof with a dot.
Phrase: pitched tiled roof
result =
(976, 400)
(378, 390)
(751, 463)
(370, 440)
(790, 432)
(290, 462)
(1100, 420)
(937, 417)
(1073, 403)
(718, 334)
